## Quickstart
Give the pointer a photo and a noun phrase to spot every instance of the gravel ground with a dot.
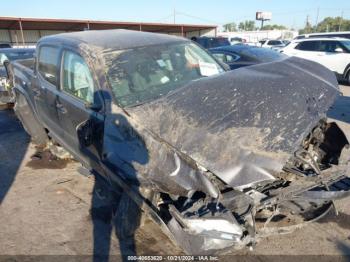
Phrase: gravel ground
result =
(48, 208)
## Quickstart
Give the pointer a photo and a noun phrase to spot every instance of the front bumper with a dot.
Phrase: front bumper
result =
(217, 233)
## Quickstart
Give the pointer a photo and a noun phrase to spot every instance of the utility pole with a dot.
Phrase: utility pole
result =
(307, 25)
(318, 12)
(174, 16)
(341, 19)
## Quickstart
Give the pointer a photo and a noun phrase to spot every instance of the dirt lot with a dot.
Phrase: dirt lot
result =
(48, 208)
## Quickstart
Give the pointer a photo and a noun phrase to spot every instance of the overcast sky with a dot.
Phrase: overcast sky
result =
(286, 12)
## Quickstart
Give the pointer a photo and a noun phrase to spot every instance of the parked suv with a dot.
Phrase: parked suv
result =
(333, 53)
(273, 44)
(343, 34)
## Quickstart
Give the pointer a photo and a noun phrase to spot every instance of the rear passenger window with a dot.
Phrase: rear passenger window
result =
(76, 77)
(308, 46)
(48, 59)
(274, 42)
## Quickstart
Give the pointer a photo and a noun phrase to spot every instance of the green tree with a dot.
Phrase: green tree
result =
(230, 27)
(329, 24)
(248, 25)
(333, 24)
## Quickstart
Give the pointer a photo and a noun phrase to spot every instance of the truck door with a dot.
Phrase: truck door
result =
(44, 88)
(80, 110)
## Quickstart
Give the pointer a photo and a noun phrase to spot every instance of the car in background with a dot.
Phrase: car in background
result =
(344, 34)
(236, 40)
(273, 44)
(5, 45)
(333, 53)
(211, 42)
(9, 55)
(237, 56)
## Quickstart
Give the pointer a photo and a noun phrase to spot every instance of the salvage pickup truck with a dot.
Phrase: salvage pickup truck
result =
(219, 159)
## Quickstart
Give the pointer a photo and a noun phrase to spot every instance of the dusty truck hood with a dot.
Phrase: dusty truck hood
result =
(243, 125)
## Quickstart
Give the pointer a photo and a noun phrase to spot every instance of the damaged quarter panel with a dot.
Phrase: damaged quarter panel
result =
(245, 124)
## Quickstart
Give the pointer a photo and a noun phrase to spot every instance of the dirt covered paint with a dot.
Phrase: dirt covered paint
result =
(243, 125)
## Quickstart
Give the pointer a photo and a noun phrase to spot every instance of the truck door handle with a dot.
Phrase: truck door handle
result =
(61, 108)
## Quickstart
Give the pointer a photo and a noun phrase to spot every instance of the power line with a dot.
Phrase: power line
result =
(199, 18)
(175, 12)
(165, 18)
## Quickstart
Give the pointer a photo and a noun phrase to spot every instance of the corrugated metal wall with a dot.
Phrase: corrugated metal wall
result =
(32, 36)
(5, 36)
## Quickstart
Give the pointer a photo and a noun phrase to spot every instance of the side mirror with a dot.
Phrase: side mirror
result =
(339, 50)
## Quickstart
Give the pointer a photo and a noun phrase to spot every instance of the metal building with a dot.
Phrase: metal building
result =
(27, 31)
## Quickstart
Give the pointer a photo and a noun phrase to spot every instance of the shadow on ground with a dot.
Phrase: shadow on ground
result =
(342, 219)
(116, 147)
(340, 110)
(13, 146)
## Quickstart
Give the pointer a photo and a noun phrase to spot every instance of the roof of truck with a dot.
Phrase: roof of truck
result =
(114, 39)
(321, 39)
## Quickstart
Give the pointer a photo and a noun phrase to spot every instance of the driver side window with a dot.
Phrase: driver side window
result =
(76, 77)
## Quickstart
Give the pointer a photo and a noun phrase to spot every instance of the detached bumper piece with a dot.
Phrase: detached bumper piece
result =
(336, 190)
(301, 202)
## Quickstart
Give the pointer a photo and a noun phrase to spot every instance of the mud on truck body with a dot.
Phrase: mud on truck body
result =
(218, 159)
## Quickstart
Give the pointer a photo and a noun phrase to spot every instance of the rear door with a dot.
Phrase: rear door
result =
(80, 109)
(44, 87)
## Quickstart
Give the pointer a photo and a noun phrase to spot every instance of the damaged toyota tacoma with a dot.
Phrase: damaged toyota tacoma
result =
(219, 159)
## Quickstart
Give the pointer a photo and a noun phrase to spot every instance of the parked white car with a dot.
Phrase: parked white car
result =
(333, 53)
(273, 44)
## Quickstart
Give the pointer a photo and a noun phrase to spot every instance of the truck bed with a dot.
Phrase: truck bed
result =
(17, 71)
(25, 64)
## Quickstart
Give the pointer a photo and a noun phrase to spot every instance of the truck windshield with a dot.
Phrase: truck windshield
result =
(144, 74)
